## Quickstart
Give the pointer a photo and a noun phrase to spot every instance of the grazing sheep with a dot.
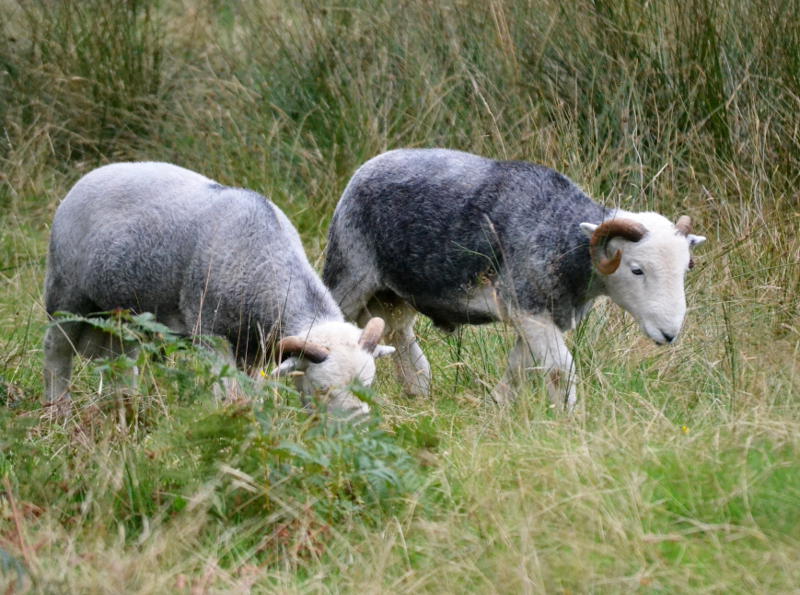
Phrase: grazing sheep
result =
(469, 240)
(206, 260)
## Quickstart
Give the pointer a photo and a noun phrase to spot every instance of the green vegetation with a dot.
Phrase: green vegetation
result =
(680, 469)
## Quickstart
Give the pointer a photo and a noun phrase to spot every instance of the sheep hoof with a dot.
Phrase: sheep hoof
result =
(417, 390)
(502, 395)
(58, 409)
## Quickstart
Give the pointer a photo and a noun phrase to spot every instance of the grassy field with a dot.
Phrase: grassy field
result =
(679, 470)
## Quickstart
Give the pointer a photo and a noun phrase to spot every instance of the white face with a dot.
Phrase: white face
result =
(649, 282)
(347, 364)
(342, 368)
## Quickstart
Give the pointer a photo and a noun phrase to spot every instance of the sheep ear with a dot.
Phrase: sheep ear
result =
(695, 240)
(382, 351)
(287, 366)
(588, 229)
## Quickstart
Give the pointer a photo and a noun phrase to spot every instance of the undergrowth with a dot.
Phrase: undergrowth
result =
(142, 458)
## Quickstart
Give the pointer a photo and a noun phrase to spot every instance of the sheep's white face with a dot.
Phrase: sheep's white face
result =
(347, 363)
(649, 282)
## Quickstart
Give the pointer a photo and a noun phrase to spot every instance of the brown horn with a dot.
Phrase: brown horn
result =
(296, 346)
(624, 228)
(371, 334)
(684, 225)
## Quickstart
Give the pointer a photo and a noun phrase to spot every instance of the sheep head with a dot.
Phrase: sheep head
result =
(330, 358)
(645, 274)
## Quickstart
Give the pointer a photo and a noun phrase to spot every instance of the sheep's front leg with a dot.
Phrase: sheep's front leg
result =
(519, 360)
(540, 340)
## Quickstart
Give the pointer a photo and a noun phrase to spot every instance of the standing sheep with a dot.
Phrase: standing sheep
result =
(206, 260)
(469, 240)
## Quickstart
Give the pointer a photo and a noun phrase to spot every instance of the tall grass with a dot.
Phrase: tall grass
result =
(679, 470)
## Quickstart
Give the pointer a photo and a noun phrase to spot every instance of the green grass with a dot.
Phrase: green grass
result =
(678, 471)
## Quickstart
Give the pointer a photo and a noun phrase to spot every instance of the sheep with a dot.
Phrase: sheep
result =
(464, 239)
(206, 259)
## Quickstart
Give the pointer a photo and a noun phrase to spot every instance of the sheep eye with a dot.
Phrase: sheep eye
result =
(637, 271)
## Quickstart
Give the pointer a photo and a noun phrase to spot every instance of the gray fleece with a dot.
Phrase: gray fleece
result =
(203, 257)
(429, 226)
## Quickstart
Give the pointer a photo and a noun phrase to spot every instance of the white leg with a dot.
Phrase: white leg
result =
(519, 361)
(63, 341)
(540, 340)
(412, 366)
(60, 344)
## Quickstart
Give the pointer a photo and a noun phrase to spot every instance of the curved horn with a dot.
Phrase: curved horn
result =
(624, 228)
(300, 347)
(684, 225)
(372, 333)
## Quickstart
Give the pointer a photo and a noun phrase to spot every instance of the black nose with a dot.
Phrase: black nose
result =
(668, 337)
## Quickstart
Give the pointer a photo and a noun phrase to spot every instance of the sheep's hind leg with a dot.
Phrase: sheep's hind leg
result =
(63, 340)
(412, 366)
(60, 345)
(540, 340)
(95, 343)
